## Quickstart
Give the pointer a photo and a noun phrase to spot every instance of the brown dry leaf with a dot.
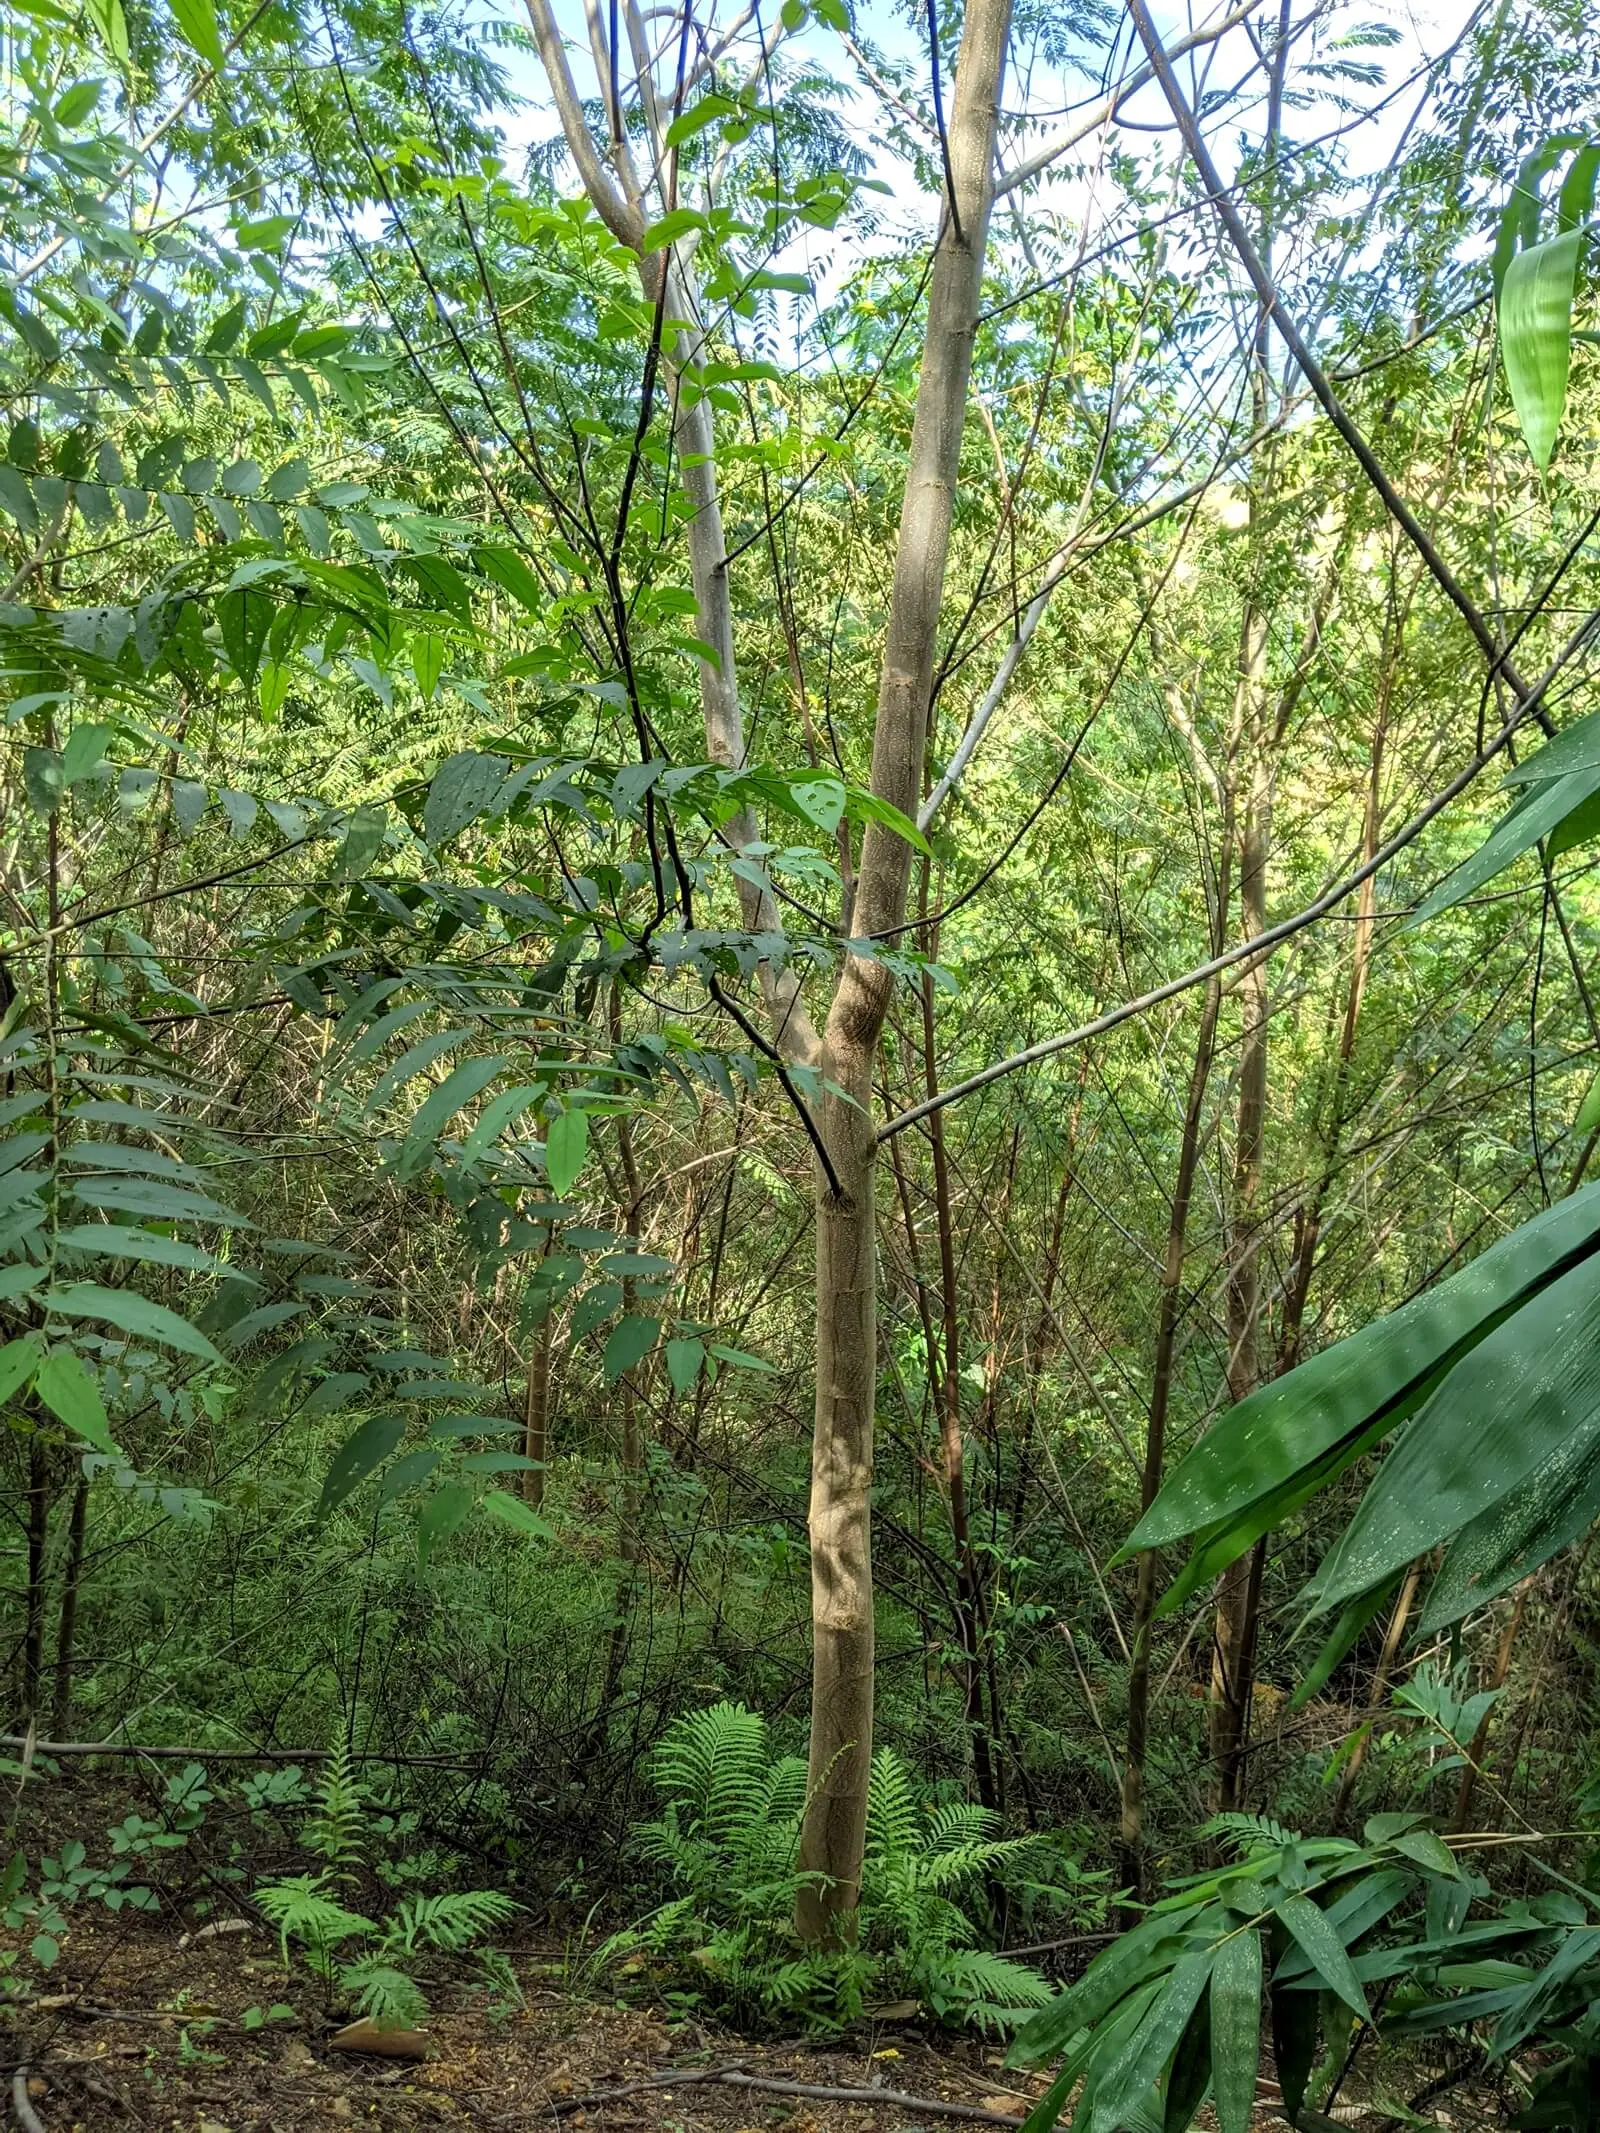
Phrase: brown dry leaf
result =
(365, 2036)
(1006, 2105)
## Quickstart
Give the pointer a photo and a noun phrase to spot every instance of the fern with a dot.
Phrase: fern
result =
(304, 1908)
(1251, 1833)
(301, 1910)
(336, 1831)
(449, 1922)
(728, 1839)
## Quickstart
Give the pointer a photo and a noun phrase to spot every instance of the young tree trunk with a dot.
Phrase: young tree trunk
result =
(1144, 1599)
(1393, 1637)
(536, 1415)
(67, 1619)
(1472, 1768)
(834, 1831)
(1238, 1590)
(38, 1531)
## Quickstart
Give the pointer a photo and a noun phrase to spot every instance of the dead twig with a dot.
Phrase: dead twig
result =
(21, 2109)
(734, 2077)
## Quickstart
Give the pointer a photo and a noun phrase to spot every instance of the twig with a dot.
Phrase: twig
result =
(899, 2097)
(734, 2077)
(674, 2078)
(230, 1755)
(21, 2109)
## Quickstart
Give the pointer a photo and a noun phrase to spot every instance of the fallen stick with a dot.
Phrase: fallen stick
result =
(734, 2077)
(21, 2109)
(898, 2097)
(675, 2078)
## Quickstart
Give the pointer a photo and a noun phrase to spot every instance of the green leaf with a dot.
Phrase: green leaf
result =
(1320, 1942)
(631, 1341)
(685, 1360)
(677, 222)
(408, 1472)
(1236, 2028)
(1531, 1387)
(84, 752)
(566, 1145)
(115, 1240)
(72, 1395)
(464, 787)
(1523, 1529)
(710, 111)
(512, 575)
(444, 1513)
(427, 662)
(19, 1359)
(740, 1360)
(1536, 336)
(1272, 1437)
(513, 1512)
(1341, 1640)
(1191, 2072)
(197, 24)
(166, 1203)
(413, 1062)
(73, 108)
(1294, 2044)
(111, 27)
(458, 1088)
(1143, 2059)
(131, 1314)
(1537, 814)
(373, 1442)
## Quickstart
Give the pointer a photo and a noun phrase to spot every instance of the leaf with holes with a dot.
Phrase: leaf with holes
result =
(133, 1315)
(373, 1442)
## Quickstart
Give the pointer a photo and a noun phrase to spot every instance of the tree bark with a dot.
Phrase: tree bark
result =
(834, 1831)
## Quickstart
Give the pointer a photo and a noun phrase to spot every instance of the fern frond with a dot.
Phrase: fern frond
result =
(712, 1765)
(892, 1814)
(450, 1922)
(301, 1910)
(383, 1994)
(335, 1831)
(1251, 1833)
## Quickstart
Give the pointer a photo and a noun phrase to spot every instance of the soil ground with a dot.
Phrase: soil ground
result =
(145, 2028)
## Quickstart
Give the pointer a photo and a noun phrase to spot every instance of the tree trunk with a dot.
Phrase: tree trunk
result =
(67, 1620)
(1133, 1866)
(834, 1831)
(38, 1530)
(536, 1415)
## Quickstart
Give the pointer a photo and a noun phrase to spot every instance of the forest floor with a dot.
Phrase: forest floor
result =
(146, 2028)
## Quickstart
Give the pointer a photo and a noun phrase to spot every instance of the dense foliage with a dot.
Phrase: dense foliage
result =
(741, 759)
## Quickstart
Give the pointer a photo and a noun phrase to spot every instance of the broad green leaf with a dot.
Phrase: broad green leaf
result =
(131, 1314)
(372, 1443)
(566, 1144)
(427, 662)
(512, 575)
(458, 1088)
(1521, 1530)
(1282, 1429)
(409, 1471)
(1355, 1913)
(685, 1359)
(1190, 2077)
(443, 1513)
(84, 752)
(149, 1196)
(513, 1512)
(1116, 1971)
(1235, 2028)
(1532, 1386)
(630, 1342)
(413, 1062)
(464, 787)
(111, 26)
(1340, 1641)
(19, 1359)
(1428, 1851)
(677, 222)
(1319, 1941)
(1143, 2059)
(197, 22)
(72, 1395)
(1537, 814)
(1536, 336)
